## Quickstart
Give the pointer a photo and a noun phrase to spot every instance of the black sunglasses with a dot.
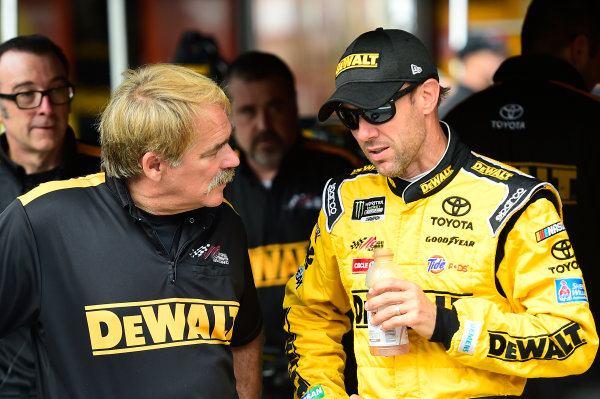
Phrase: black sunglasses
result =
(349, 117)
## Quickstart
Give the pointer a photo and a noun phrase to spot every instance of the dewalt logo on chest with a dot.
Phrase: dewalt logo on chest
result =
(140, 326)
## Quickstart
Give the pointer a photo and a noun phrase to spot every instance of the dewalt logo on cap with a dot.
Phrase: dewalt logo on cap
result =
(361, 60)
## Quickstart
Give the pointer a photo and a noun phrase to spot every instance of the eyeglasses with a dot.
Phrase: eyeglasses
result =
(376, 116)
(33, 99)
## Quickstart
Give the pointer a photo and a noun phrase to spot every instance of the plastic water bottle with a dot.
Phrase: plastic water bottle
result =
(391, 342)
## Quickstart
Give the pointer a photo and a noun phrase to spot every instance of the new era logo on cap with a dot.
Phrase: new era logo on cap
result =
(415, 69)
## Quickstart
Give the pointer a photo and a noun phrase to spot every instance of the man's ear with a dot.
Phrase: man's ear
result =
(152, 166)
(431, 92)
(579, 51)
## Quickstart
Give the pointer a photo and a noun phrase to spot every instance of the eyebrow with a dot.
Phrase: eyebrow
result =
(58, 79)
(216, 148)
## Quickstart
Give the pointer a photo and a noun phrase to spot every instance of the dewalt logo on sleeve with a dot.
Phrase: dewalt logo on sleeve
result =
(148, 325)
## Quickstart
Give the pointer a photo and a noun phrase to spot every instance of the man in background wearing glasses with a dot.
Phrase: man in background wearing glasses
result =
(476, 242)
(37, 146)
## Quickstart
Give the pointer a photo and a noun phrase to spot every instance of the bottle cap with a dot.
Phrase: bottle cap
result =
(383, 253)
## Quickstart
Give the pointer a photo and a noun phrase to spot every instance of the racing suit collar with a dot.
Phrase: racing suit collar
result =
(454, 158)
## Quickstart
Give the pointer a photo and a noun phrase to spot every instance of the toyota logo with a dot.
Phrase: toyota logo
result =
(456, 206)
(511, 112)
(563, 250)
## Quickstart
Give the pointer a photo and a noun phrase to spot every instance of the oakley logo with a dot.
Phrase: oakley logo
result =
(511, 112)
(415, 69)
(563, 250)
(456, 206)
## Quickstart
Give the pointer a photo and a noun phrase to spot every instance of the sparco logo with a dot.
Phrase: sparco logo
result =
(510, 203)
(331, 207)
(563, 250)
(511, 112)
(456, 206)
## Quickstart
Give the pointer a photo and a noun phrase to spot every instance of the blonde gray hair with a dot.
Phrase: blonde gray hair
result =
(154, 110)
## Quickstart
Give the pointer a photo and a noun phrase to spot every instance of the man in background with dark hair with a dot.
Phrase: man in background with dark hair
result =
(540, 117)
(277, 189)
(37, 146)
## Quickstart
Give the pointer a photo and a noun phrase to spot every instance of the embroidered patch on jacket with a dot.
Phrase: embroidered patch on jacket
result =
(549, 231)
(369, 209)
(470, 337)
(570, 290)
(314, 393)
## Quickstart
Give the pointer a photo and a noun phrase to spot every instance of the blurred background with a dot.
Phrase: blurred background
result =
(102, 38)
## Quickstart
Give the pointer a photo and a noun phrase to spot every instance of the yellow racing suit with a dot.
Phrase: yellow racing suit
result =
(487, 245)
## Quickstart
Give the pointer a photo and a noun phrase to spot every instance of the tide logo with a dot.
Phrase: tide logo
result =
(436, 264)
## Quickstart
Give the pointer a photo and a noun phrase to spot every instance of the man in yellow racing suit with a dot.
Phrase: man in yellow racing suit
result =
(493, 292)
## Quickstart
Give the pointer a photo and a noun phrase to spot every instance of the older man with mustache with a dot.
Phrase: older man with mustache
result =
(136, 282)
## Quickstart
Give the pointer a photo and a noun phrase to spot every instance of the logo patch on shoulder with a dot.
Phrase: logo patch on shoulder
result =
(470, 336)
(369, 209)
(570, 290)
(549, 231)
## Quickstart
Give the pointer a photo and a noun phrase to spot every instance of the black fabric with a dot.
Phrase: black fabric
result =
(83, 249)
(446, 325)
(14, 182)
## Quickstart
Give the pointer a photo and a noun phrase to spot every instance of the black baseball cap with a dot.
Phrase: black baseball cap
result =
(375, 66)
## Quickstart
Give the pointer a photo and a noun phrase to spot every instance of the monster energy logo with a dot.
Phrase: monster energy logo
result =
(369, 209)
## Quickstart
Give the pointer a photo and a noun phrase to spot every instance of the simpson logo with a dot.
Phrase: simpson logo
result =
(314, 393)
(488, 170)
(570, 290)
(559, 345)
(470, 337)
(549, 231)
(362, 60)
(150, 325)
(369, 209)
(436, 264)
(361, 265)
(436, 180)
(212, 251)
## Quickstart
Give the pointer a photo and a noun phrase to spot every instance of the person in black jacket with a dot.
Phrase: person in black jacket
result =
(277, 189)
(540, 116)
(37, 146)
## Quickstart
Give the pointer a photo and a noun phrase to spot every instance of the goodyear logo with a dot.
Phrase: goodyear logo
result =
(488, 170)
(361, 60)
(149, 325)
(558, 346)
(436, 180)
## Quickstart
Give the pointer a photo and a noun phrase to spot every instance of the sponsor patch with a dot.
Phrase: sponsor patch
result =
(492, 171)
(456, 206)
(314, 393)
(470, 337)
(549, 231)
(210, 251)
(436, 180)
(436, 264)
(360, 60)
(570, 290)
(361, 265)
(366, 243)
(369, 209)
